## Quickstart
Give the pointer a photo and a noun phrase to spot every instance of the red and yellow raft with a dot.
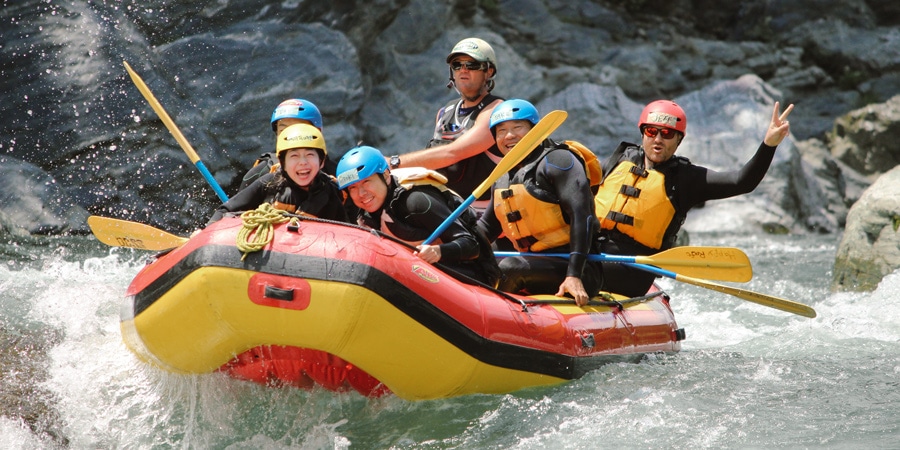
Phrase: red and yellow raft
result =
(348, 309)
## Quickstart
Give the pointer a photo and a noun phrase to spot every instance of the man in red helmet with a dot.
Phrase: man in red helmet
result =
(647, 191)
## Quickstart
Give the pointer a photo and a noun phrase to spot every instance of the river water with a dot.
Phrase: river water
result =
(747, 377)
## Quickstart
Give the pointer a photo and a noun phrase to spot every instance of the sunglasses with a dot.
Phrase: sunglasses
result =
(666, 133)
(469, 65)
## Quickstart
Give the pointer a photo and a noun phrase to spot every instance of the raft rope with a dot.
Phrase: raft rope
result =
(258, 230)
(607, 300)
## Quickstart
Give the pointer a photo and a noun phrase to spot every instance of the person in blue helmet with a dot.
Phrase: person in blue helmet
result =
(289, 112)
(410, 207)
(543, 204)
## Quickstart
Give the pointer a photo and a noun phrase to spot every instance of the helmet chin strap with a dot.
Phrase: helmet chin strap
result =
(452, 84)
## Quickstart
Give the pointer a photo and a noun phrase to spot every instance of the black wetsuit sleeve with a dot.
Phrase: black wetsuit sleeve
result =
(246, 199)
(565, 173)
(488, 223)
(427, 212)
(699, 184)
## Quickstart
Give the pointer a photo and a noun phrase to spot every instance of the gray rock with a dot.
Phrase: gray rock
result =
(866, 139)
(31, 200)
(376, 70)
(870, 246)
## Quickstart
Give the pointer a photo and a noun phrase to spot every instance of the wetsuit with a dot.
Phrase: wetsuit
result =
(411, 215)
(685, 185)
(323, 199)
(555, 177)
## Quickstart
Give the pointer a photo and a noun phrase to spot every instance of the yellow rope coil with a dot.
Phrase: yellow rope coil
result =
(257, 230)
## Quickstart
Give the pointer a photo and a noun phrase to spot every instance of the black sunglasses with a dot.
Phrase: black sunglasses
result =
(666, 133)
(469, 65)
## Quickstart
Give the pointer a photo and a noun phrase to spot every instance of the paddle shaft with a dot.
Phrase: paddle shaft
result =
(755, 297)
(540, 131)
(717, 263)
(182, 141)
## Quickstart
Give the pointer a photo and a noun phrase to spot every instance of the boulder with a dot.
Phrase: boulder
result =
(870, 246)
(31, 200)
(68, 107)
(866, 139)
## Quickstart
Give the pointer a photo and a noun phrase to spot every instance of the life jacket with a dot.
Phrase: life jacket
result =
(420, 178)
(266, 163)
(449, 126)
(636, 202)
(591, 164)
(322, 192)
(407, 178)
(465, 175)
(529, 213)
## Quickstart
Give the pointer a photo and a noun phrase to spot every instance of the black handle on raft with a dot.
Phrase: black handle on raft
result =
(279, 293)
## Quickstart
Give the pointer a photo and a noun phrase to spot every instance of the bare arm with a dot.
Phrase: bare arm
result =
(474, 141)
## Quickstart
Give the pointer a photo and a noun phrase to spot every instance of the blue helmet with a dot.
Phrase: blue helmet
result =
(514, 109)
(358, 164)
(297, 108)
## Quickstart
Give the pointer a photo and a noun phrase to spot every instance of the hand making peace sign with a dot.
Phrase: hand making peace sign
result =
(779, 127)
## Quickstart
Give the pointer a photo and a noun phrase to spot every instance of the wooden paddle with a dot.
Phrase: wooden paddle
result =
(762, 299)
(541, 130)
(716, 263)
(122, 233)
(185, 145)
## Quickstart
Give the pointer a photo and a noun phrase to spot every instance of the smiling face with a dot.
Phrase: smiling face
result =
(369, 194)
(509, 133)
(302, 165)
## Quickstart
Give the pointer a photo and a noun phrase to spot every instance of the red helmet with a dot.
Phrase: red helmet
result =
(664, 113)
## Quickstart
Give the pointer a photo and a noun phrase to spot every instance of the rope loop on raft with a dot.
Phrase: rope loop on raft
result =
(258, 230)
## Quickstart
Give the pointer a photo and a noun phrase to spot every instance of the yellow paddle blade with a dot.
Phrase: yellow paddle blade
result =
(717, 263)
(122, 233)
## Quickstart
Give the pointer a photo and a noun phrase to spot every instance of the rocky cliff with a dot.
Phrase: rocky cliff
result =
(77, 138)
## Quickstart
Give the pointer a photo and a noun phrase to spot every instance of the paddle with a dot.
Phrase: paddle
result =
(717, 263)
(122, 233)
(762, 299)
(541, 130)
(192, 155)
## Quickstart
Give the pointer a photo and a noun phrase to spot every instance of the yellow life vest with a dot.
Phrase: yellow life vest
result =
(533, 224)
(634, 202)
(591, 163)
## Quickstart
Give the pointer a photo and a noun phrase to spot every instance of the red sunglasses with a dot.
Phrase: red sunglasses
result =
(666, 133)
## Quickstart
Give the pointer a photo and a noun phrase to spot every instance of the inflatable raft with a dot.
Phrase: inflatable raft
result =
(345, 308)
